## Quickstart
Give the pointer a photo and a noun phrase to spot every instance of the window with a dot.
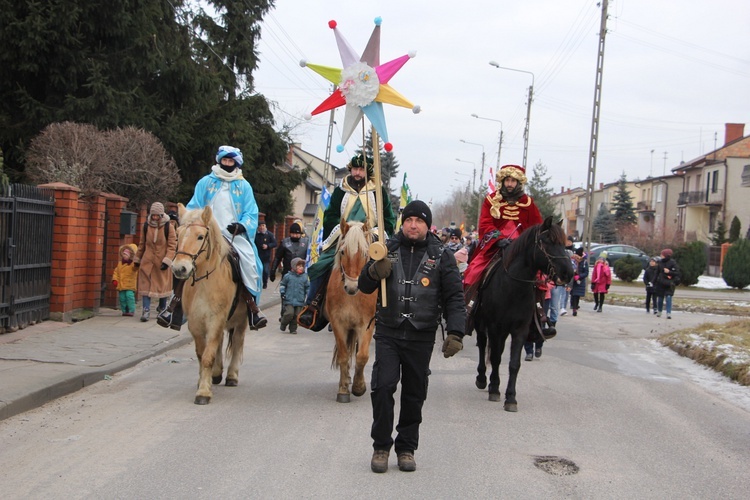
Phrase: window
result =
(712, 220)
(714, 176)
(746, 176)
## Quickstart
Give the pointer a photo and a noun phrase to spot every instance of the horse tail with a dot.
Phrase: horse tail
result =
(230, 340)
(351, 347)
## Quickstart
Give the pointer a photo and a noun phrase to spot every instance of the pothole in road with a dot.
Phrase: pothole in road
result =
(557, 466)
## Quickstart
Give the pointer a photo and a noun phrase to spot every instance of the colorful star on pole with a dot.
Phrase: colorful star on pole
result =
(362, 85)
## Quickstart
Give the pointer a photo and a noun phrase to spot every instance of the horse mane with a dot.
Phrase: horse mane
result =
(519, 244)
(216, 240)
(528, 237)
(355, 240)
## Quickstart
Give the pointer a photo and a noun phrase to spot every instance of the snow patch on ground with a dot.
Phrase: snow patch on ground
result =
(707, 378)
(706, 282)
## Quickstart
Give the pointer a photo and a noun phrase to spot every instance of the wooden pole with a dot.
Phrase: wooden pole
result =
(378, 250)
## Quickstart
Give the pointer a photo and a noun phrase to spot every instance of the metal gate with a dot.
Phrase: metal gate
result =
(26, 225)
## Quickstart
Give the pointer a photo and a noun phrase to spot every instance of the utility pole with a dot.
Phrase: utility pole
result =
(328, 146)
(499, 148)
(664, 171)
(589, 213)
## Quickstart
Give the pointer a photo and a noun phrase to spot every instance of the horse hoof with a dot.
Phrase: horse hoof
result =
(216, 380)
(359, 392)
(202, 400)
(342, 398)
(511, 407)
(481, 383)
(495, 397)
(231, 382)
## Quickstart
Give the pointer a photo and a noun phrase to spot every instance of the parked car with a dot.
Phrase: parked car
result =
(616, 252)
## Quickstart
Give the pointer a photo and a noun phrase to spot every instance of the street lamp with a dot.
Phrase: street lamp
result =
(481, 172)
(528, 108)
(474, 181)
(500, 142)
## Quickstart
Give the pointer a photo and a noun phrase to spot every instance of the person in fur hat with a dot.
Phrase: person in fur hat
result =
(353, 200)
(293, 246)
(505, 214)
(154, 258)
(125, 279)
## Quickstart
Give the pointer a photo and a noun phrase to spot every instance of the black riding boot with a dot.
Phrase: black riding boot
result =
(255, 318)
(171, 317)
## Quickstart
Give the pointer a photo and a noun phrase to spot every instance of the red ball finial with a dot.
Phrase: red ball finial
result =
(388, 147)
(332, 24)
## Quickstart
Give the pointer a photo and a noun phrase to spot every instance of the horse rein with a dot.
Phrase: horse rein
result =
(194, 257)
(551, 274)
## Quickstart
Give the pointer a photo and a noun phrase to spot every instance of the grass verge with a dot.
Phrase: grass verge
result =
(722, 347)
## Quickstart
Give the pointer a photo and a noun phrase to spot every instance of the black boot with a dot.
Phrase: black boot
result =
(171, 317)
(255, 318)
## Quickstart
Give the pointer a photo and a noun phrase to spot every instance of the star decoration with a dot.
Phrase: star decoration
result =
(362, 85)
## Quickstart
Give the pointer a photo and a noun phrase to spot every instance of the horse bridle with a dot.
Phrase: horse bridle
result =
(551, 274)
(193, 257)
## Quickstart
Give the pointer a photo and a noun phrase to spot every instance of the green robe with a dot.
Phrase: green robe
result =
(357, 212)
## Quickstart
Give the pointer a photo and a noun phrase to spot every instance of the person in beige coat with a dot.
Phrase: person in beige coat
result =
(154, 259)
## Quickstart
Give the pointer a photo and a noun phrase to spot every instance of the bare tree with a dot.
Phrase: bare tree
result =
(65, 152)
(130, 162)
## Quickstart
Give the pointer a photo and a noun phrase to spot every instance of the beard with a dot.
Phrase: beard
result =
(512, 195)
(356, 184)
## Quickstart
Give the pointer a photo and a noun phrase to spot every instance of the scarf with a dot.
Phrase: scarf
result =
(227, 176)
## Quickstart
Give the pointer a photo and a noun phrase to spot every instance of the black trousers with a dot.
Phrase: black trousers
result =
(410, 361)
(266, 272)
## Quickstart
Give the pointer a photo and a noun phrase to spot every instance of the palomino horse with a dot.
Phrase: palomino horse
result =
(209, 298)
(351, 313)
(507, 301)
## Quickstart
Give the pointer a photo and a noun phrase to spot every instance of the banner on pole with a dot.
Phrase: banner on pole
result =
(316, 239)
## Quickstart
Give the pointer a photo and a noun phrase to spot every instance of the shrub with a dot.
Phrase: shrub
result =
(628, 268)
(691, 259)
(736, 267)
(734, 229)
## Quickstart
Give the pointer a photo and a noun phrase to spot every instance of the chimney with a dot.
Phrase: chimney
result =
(562, 189)
(290, 154)
(733, 131)
(601, 185)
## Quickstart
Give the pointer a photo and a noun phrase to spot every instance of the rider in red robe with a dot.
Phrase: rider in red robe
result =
(505, 214)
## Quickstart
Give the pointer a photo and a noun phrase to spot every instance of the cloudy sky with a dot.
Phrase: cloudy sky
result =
(674, 74)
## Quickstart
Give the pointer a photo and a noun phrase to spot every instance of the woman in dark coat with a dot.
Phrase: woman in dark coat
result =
(577, 286)
(649, 278)
(667, 279)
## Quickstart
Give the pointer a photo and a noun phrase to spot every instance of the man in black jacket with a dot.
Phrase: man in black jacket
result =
(292, 247)
(265, 241)
(422, 282)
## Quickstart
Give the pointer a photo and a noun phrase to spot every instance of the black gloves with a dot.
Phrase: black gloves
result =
(272, 275)
(607, 286)
(380, 269)
(500, 244)
(236, 228)
(592, 286)
(452, 345)
(164, 267)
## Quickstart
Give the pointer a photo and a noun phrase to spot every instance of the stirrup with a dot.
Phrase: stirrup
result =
(257, 320)
(549, 332)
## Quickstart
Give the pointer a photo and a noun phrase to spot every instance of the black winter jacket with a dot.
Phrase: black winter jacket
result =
(445, 278)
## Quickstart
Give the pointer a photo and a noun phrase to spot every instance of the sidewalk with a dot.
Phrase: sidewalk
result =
(51, 359)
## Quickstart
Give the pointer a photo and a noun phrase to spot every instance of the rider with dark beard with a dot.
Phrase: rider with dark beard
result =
(505, 215)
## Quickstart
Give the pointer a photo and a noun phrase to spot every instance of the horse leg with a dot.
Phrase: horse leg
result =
(496, 352)
(342, 360)
(363, 356)
(213, 341)
(218, 368)
(516, 345)
(481, 381)
(234, 350)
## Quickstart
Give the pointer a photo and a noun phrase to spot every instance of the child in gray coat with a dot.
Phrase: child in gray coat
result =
(293, 290)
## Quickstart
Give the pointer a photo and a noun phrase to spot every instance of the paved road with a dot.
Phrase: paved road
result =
(690, 292)
(636, 420)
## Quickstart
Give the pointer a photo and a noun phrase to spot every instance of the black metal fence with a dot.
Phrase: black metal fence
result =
(26, 226)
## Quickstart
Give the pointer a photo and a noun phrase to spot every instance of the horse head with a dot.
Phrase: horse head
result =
(351, 253)
(198, 239)
(550, 254)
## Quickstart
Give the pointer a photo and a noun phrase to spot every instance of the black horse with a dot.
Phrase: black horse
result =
(507, 302)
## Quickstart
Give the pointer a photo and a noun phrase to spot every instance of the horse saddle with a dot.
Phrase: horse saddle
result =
(473, 294)
(234, 260)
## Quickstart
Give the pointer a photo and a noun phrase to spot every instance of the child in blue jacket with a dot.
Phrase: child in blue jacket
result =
(293, 290)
